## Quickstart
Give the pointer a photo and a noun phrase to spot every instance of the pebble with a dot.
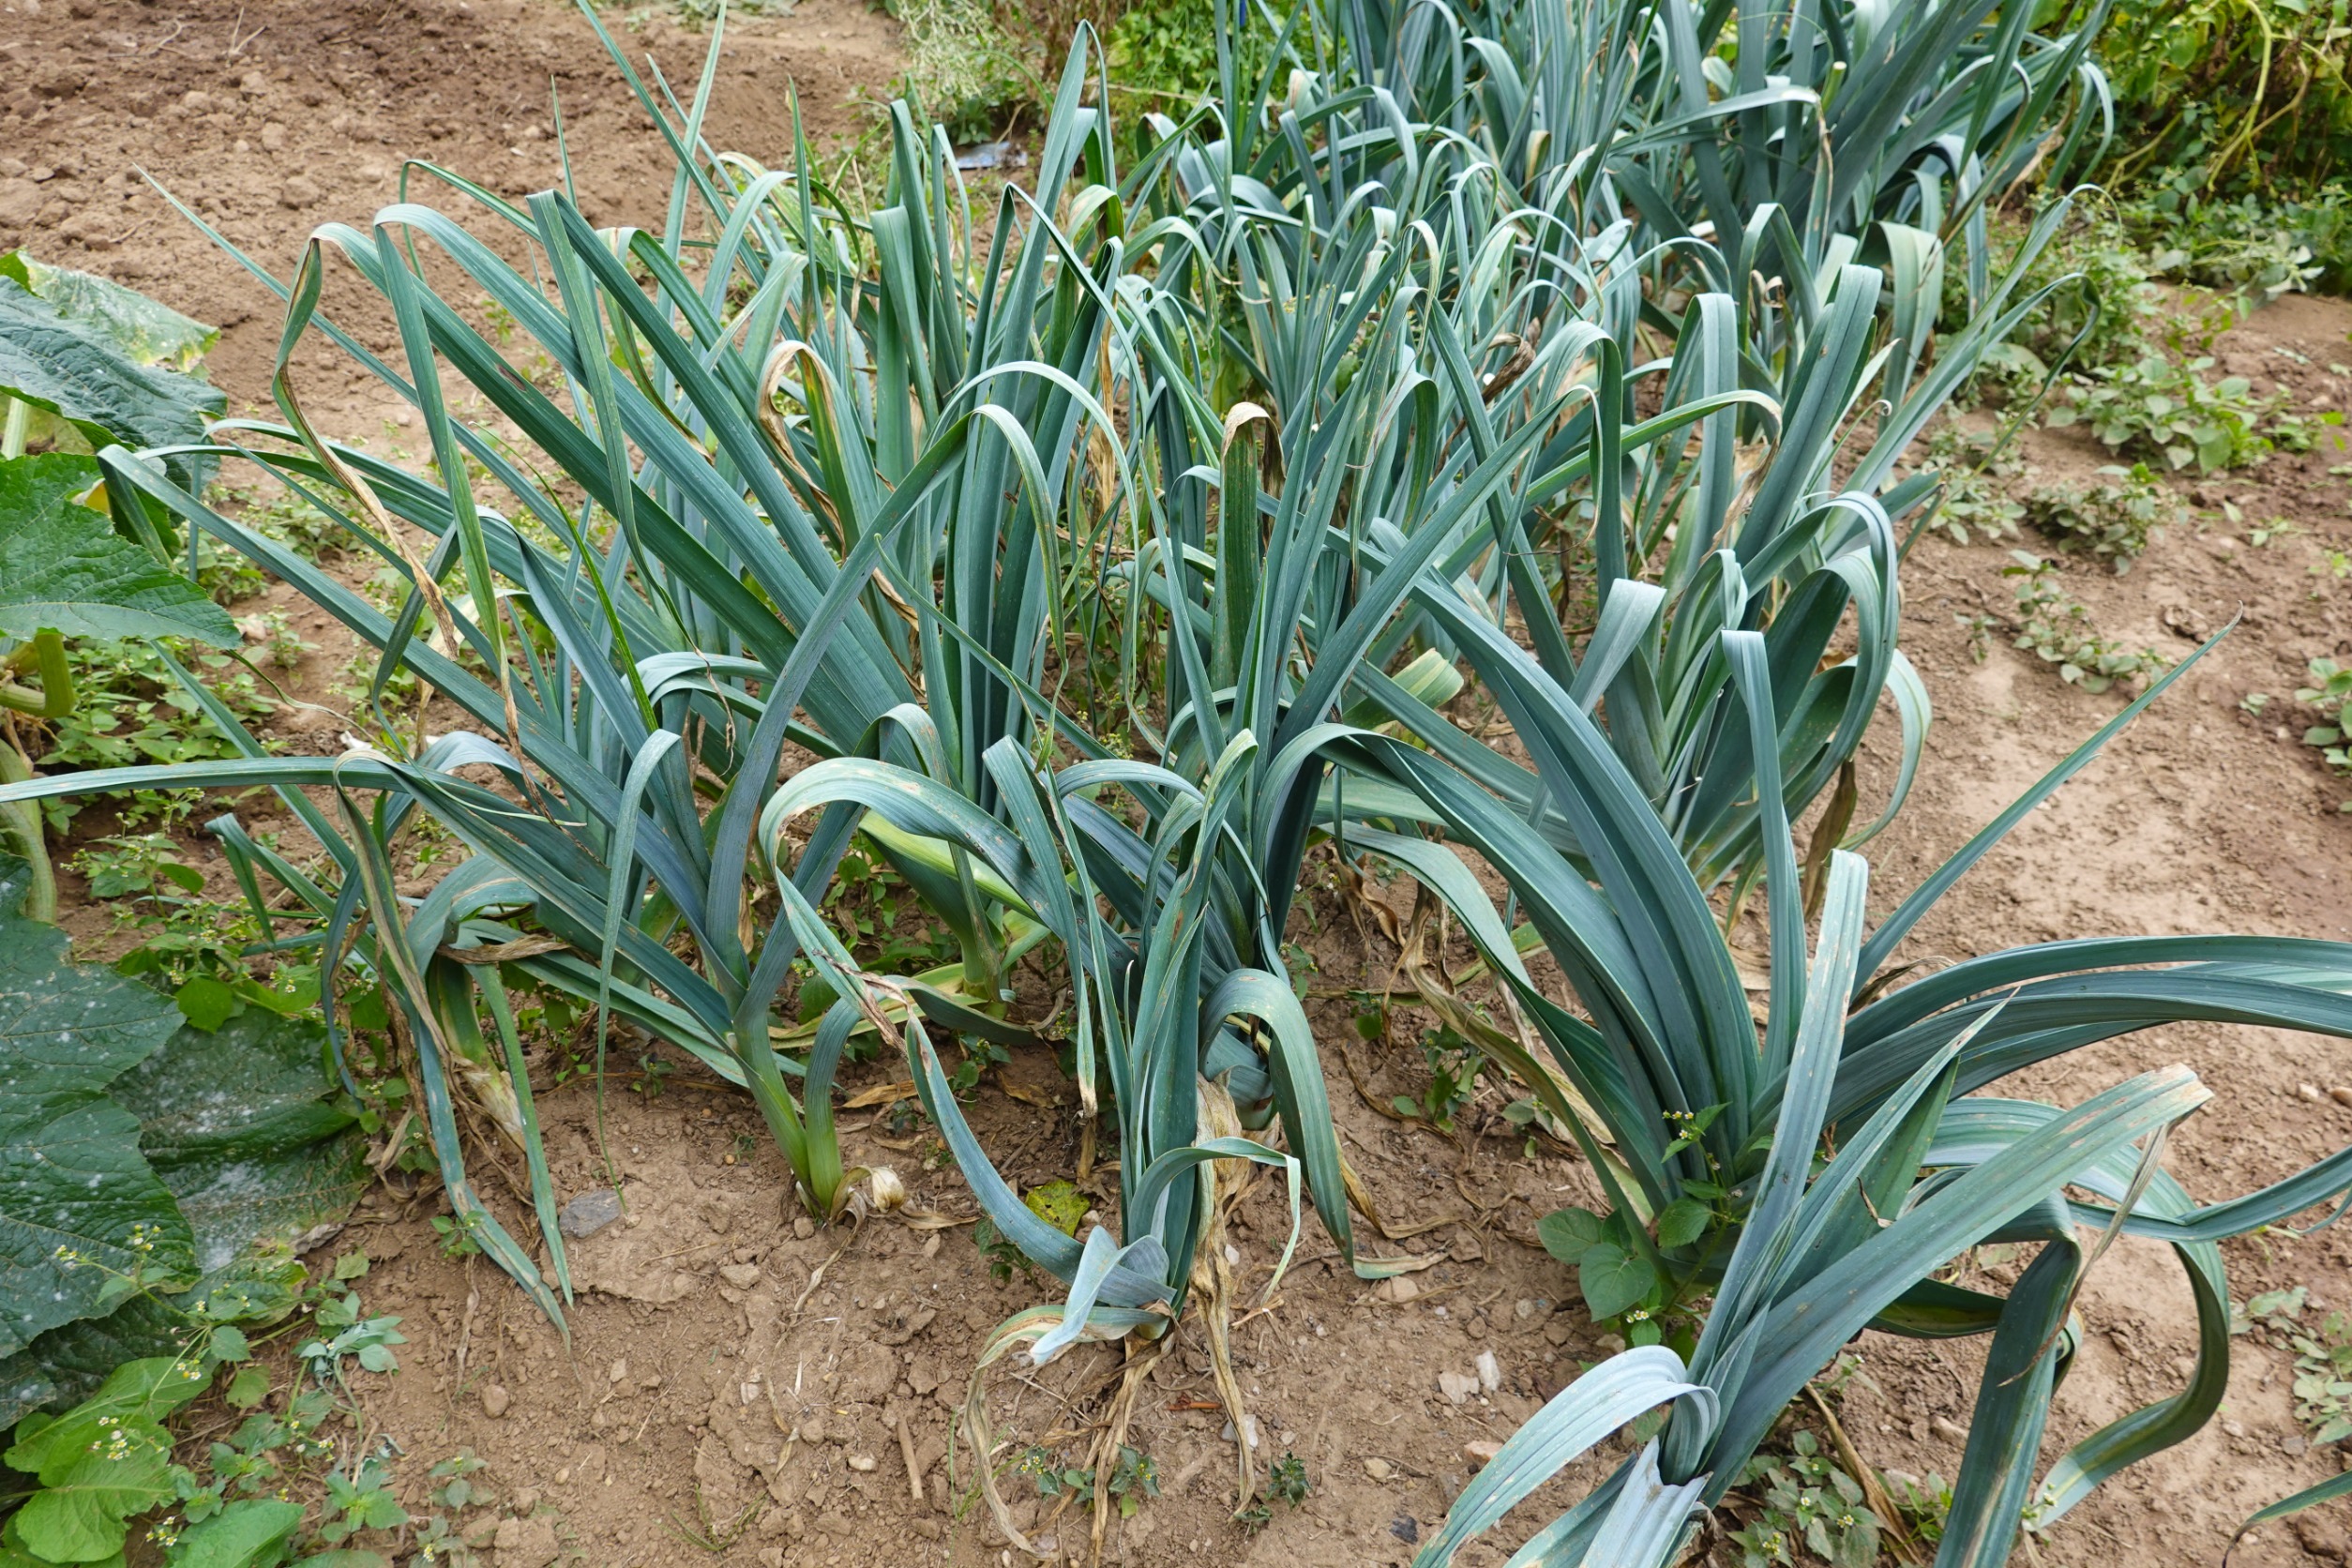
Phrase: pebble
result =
(2341, 1095)
(495, 1400)
(742, 1277)
(862, 1463)
(1378, 1469)
(1457, 1388)
(1944, 1426)
(590, 1212)
(620, 1372)
(1480, 1452)
(2307, 1092)
(804, 1227)
(1489, 1371)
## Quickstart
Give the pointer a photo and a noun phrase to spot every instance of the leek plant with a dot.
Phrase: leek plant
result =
(1816, 130)
(1776, 1190)
(663, 551)
(1320, 214)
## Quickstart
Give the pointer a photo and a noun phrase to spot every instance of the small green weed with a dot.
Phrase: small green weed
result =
(132, 710)
(2331, 693)
(1453, 1064)
(1976, 503)
(1807, 1504)
(2058, 627)
(2115, 521)
(2323, 1358)
(1134, 1478)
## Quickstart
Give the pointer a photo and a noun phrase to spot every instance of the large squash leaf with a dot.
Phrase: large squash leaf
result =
(149, 331)
(62, 566)
(81, 1208)
(71, 368)
(239, 1127)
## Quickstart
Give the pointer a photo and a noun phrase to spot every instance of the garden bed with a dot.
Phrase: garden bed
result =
(710, 1325)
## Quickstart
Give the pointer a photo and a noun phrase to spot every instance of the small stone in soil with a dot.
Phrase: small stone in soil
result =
(742, 1277)
(590, 1212)
(1406, 1528)
(862, 1463)
(1478, 1451)
(1457, 1388)
(804, 1227)
(1378, 1469)
(1489, 1371)
(495, 1400)
(2341, 1095)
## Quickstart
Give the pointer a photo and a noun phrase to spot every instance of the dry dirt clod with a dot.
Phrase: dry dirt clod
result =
(742, 1277)
(1457, 1388)
(804, 1227)
(2322, 1538)
(494, 1401)
(1480, 1452)
(526, 1543)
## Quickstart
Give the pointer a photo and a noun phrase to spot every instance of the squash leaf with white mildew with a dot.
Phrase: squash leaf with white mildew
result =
(82, 1212)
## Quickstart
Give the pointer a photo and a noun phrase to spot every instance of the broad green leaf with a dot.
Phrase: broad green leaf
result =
(104, 1460)
(238, 1129)
(73, 1184)
(242, 1535)
(147, 331)
(72, 368)
(1613, 1280)
(1566, 1233)
(1681, 1222)
(63, 566)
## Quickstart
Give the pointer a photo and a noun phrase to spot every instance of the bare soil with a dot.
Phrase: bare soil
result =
(710, 1327)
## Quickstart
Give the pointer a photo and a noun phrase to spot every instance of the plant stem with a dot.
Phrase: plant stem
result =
(21, 821)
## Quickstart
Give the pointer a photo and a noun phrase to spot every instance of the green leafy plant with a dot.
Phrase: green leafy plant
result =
(2171, 410)
(1976, 503)
(1854, 1152)
(2057, 628)
(2323, 1358)
(2330, 694)
(2116, 519)
(1804, 1503)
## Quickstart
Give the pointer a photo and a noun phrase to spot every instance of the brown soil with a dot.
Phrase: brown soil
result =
(709, 1328)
